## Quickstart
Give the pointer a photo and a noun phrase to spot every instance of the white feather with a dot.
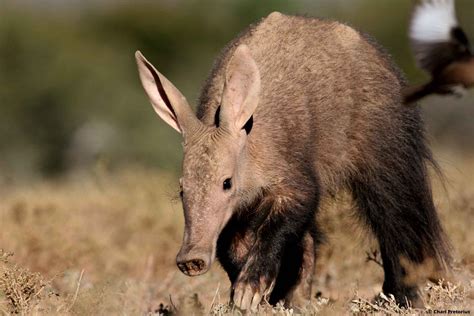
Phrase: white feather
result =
(433, 20)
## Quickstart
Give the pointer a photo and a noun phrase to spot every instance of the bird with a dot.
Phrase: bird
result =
(441, 48)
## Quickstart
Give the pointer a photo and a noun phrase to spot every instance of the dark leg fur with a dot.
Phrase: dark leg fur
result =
(300, 294)
(396, 202)
(265, 254)
(294, 278)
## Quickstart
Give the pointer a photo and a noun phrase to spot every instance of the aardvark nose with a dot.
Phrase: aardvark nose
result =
(193, 263)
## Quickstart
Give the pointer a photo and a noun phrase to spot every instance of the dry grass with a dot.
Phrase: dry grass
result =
(105, 243)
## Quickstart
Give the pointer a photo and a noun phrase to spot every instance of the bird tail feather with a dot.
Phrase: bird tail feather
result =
(412, 94)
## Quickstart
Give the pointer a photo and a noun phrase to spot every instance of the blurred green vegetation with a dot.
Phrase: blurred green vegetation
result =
(69, 90)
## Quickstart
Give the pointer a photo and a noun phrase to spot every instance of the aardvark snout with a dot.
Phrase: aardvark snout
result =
(194, 262)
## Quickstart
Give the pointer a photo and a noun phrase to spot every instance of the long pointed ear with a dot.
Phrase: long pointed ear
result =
(241, 91)
(166, 99)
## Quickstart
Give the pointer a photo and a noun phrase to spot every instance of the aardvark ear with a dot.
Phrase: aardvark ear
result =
(241, 91)
(166, 99)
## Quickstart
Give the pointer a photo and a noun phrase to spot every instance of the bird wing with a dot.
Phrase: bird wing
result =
(435, 34)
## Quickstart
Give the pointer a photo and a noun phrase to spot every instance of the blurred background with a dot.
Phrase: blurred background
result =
(69, 91)
(89, 211)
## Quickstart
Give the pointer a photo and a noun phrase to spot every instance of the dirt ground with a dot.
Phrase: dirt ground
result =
(105, 243)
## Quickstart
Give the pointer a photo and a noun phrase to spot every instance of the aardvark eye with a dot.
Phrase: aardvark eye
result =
(227, 185)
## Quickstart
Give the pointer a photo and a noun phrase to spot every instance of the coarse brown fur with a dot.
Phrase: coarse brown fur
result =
(329, 118)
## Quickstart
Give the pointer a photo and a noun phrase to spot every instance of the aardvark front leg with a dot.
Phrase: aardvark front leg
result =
(286, 223)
